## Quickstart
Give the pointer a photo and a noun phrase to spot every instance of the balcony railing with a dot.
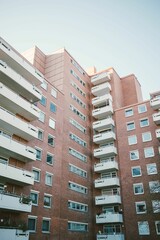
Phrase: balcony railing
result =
(13, 234)
(107, 182)
(18, 105)
(104, 166)
(105, 151)
(104, 124)
(18, 62)
(100, 78)
(109, 218)
(101, 89)
(17, 83)
(102, 112)
(11, 148)
(104, 137)
(100, 101)
(116, 236)
(11, 174)
(15, 125)
(155, 103)
(156, 118)
(108, 199)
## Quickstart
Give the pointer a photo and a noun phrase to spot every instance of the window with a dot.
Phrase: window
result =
(157, 224)
(138, 188)
(42, 117)
(154, 186)
(148, 152)
(78, 226)
(77, 171)
(144, 122)
(49, 158)
(77, 77)
(77, 140)
(36, 175)
(78, 113)
(77, 125)
(77, 66)
(74, 97)
(142, 108)
(47, 201)
(128, 112)
(143, 228)
(77, 206)
(52, 123)
(146, 137)
(78, 155)
(38, 154)
(53, 107)
(44, 85)
(32, 223)
(111, 229)
(46, 225)
(136, 171)
(156, 206)
(134, 155)
(132, 139)
(140, 207)
(151, 168)
(130, 126)
(40, 134)
(78, 89)
(43, 100)
(48, 179)
(51, 140)
(34, 196)
(78, 188)
(54, 92)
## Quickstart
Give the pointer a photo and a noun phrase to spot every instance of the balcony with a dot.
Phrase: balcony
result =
(11, 148)
(104, 137)
(107, 199)
(103, 124)
(156, 118)
(12, 174)
(158, 133)
(13, 234)
(9, 201)
(18, 84)
(17, 105)
(100, 78)
(104, 236)
(18, 62)
(102, 112)
(155, 103)
(107, 182)
(104, 166)
(100, 101)
(101, 89)
(105, 151)
(15, 125)
(109, 218)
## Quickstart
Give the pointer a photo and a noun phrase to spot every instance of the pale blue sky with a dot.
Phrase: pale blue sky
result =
(124, 34)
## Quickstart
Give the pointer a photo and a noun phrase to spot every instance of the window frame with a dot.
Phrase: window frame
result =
(130, 142)
(151, 165)
(146, 154)
(144, 139)
(47, 174)
(48, 196)
(50, 123)
(30, 217)
(142, 120)
(51, 137)
(134, 151)
(129, 112)
(141, 106)
(129, 124)
(138, 205)
(138, 185)
(51, 155)
(136, 167)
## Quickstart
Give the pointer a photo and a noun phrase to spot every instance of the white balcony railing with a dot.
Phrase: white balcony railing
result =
(104, 137)
(11, 174)
(100, 78)
(107, 199)
(105, 151)
(101, 89)
(104, 166)
(155, 103)
(17, 104)
(15, 125)
(156, 118)
(107, 182)
(104, 124)
(158, 133)
(17, 83)
(13, 234)
(102, 112)
(100, 101)
(116, 236)
(9, 147)
(18, 62)
(109, 218)
(13, 202)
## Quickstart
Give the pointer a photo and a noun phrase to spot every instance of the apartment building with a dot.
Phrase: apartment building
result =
(95, 170)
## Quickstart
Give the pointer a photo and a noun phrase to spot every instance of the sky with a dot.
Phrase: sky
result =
(123, 34)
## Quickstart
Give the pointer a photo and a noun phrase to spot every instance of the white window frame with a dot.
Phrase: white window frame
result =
(52, 123)
(54, 92)
(40, 117)
(136, 167)
(156, 206)
(130, 124)
(138, 185)
(50, 197)
(48, 220)
(37, 170)
(131, 138)
(129, 112)
(146, 154)
(140, 108)
(136, 152)
(44, 85)
(146, 136)
(157, 228)
(51, 177)
(143, 228)
(35, 218)
(40, 131)
(36, 193)
(143, 119)
(50, 154)
(142, 203)
(151, 168)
